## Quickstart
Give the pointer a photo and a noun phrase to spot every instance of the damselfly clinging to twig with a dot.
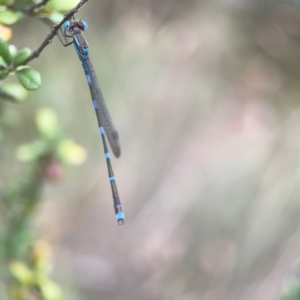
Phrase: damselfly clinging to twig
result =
(73, 29)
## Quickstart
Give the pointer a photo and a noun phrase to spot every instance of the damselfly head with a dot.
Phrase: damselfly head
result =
(70, 25)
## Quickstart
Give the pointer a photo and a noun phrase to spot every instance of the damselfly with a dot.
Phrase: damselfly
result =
(73, 29)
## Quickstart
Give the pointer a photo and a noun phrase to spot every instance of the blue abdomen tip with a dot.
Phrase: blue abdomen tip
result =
(120, 216)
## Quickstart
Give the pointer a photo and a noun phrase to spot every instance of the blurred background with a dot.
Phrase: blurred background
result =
(205, 97)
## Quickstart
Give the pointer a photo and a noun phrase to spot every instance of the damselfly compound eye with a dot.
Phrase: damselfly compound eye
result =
(85, 25)
(67, 25)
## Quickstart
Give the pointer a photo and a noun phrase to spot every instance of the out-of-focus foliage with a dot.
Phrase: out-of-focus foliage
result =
(61, 6)
(9, 17)
(34, 275)
(10, 13)
(25, 263)
(29, 265)
(14, 92)
(5, 32)
(21, 56)
(205, 97)
(291, 291)
(29, 78)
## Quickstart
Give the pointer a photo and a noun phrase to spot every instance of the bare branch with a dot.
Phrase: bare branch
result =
(54, 31)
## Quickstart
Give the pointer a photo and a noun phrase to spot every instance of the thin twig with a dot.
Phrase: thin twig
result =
(54, 31)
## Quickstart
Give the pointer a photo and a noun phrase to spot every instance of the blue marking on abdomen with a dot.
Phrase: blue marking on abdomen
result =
(95, 104)
(101, 130)
(111, 178)
(76, 41)
(107, 155)
(119, 215)
(88, 78)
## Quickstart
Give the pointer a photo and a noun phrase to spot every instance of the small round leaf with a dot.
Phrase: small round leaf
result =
(25, 153)
(13, 50)
(21, 272)
(29, 78)
(3, 74)
(49, 289)
(46, 121)
(21, 56)
(3, 64)
(15, 91)
(71, 152)
(9, 17)
(4, 51)
(61, 6)
(56, 17)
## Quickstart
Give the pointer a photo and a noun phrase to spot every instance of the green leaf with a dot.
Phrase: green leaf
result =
(29, 152)
(14, 90)
(46, 121)
(4, 2)
(291, 290)
(50, 290)
(9, 17)
(3, 64)
(29, 78)
(12, 50)
(24, 2)
(3, 74)
(61, 6)
(21, 272)
(25, 153)
(4, 51)
(71, 152)
(56, 17)
(21, 56)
